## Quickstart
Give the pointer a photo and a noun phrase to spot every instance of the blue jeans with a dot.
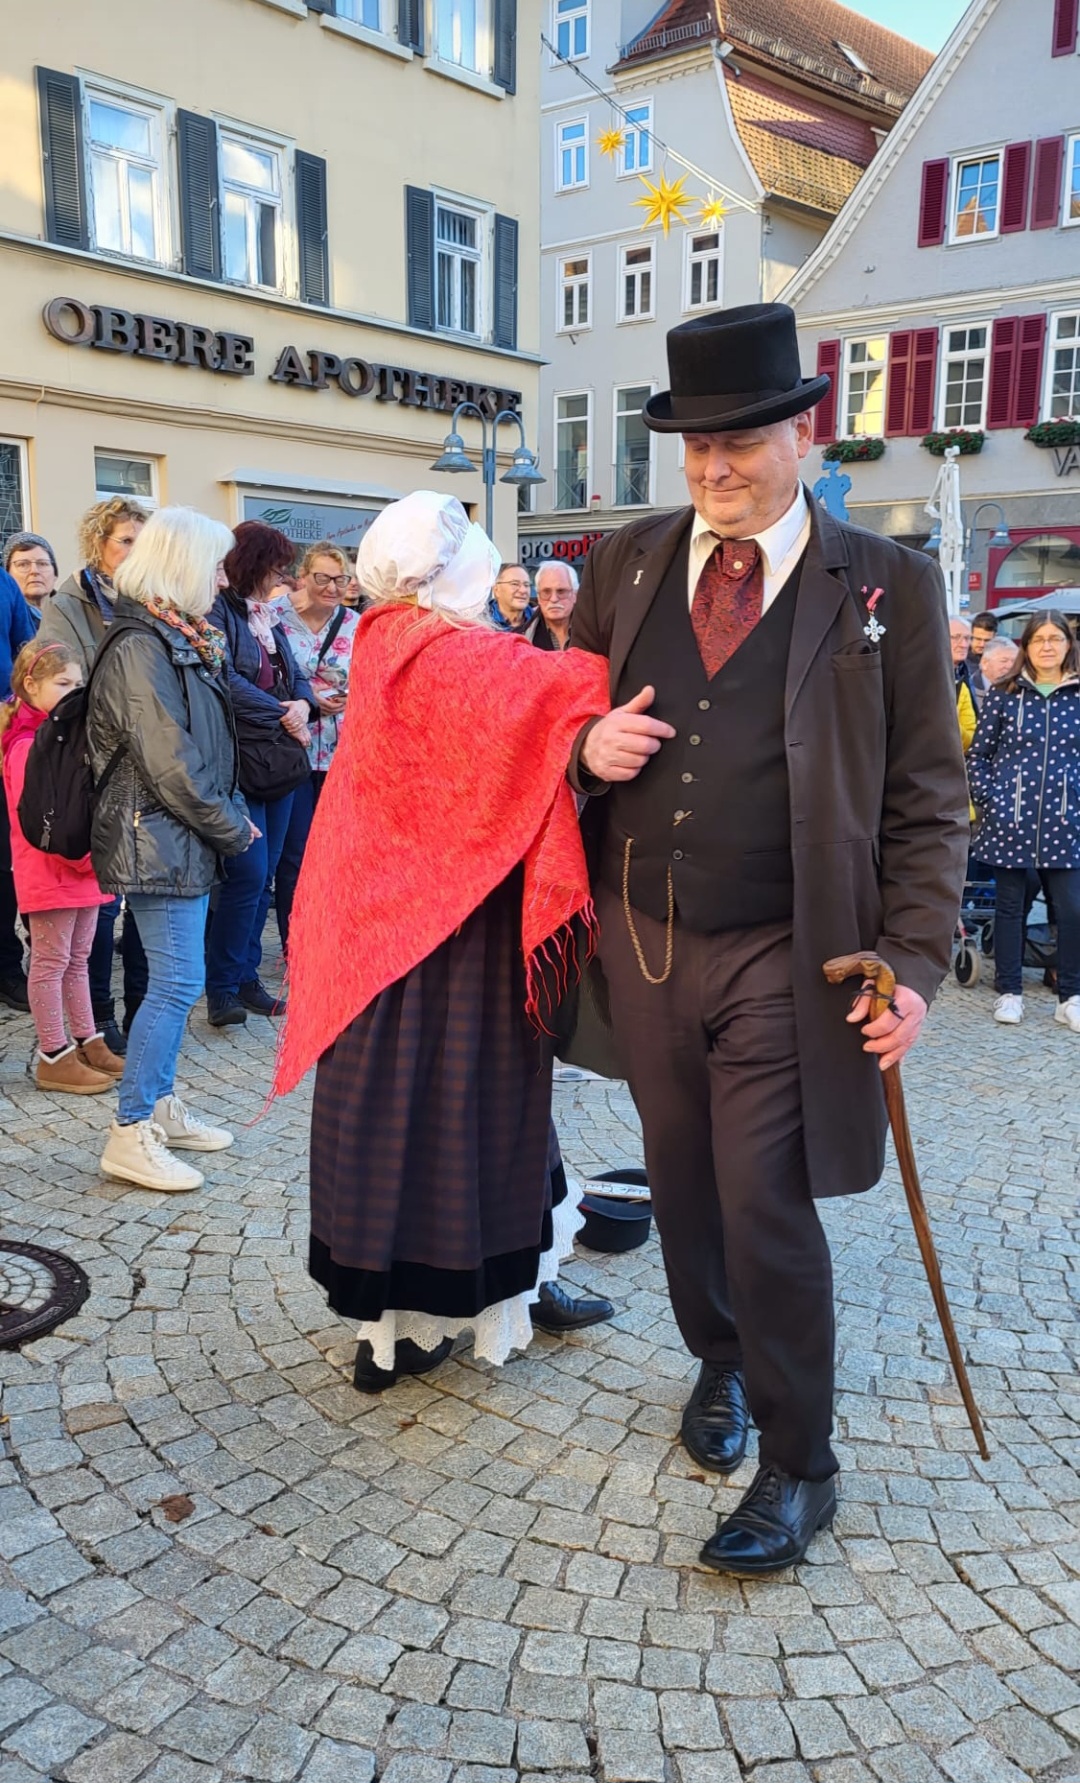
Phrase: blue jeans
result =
(1010, 909)
(234, 949)
(305, 800)
(171, 930)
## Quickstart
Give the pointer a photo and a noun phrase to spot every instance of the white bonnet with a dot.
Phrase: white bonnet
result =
(425, 545)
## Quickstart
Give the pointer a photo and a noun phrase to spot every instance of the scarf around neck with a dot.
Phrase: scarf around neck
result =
(200, 634)
(456, 774)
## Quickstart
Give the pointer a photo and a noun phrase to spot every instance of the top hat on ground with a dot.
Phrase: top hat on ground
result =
(731, 369)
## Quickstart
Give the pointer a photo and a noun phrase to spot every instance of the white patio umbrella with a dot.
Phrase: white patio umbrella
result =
(944, 507)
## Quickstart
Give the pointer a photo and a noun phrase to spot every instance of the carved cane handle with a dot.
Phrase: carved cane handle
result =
(874, 972)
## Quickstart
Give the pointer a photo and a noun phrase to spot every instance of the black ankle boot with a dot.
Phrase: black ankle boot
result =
(409, 1359)
(223, 1010)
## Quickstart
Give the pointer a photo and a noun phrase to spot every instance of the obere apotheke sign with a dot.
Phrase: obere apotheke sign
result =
(142, 336)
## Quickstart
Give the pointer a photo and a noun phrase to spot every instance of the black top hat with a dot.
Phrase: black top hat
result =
(733, 368)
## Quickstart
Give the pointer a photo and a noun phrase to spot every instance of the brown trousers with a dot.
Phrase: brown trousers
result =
(712, 1060)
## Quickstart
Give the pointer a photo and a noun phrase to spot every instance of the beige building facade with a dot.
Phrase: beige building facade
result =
(254, 252)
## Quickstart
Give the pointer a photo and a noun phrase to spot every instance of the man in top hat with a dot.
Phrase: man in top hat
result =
(782, 784)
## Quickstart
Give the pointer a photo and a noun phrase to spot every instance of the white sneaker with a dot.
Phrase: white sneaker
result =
(1009, 1009)
(1068, 1014)
(183, 1131)
(137, 1153)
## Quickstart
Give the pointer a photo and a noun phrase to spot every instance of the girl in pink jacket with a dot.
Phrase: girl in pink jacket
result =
(59, 898)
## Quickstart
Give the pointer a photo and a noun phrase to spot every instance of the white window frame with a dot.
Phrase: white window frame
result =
(590, 417)
(862, 340)
(362, 24)
(1053, 345)
(573, 148)
(635, 272)
(691, 260)
(1072, 173)
(485, 219)
(639, 128)
(288, 255)
(967, 160)
(617, 390)
(946, 358)
(160, 113)
(148, 458)
(576, 280)
(10, 439)
(484, 40)
(577, 9)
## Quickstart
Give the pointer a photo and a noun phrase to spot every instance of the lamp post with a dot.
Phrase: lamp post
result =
(455, 458)
(999, 536)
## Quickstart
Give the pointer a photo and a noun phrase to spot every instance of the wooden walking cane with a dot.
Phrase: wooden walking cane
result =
(879, 981)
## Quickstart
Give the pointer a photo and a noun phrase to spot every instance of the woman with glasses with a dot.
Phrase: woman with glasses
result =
(320, 629)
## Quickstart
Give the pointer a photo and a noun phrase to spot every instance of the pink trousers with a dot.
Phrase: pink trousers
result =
(58, 982)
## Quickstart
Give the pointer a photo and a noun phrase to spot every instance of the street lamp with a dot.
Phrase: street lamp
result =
(1000, 535)
(455, 458)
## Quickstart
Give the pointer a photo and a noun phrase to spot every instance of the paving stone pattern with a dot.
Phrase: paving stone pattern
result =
(490, 1576)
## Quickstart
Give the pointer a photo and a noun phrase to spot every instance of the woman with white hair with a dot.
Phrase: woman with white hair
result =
(163, 753)
(443, 871)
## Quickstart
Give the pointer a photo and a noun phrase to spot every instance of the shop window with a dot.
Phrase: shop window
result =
(14, 513)
(1063, 396)
(572, 450)
(633, 448)
(115, 474)
(252, 183)
(636, 284)
(572, 29)
(864, 386)
(1049, 560)
(575, 278)
(572, 155)
(636, 153)
(963, 383)
(704, 270)
(126, 177)
(976, 184)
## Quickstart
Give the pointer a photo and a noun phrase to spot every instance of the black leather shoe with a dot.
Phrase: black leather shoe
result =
(13, 992)
(115, 1040)
(558, 1311)
(716, 1420)
(225, 1010)
(773, 1526)
(255, 996)
(409, 1359)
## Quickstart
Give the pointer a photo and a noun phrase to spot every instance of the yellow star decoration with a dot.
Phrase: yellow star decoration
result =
(609, 142)
(664, 202)
(712, 213)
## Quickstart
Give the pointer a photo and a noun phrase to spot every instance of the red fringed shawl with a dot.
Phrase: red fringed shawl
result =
(450, 771)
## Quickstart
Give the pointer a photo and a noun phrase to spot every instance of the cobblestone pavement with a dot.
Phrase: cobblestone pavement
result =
(489, 1577)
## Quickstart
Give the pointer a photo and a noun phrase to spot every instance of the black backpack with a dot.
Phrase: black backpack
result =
(56, 807)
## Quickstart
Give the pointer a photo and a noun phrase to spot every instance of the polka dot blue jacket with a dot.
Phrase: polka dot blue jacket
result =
(1024, 770)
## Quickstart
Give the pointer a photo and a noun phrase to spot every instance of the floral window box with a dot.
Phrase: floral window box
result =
(969, 440)
(859, 450)
(1065, 432)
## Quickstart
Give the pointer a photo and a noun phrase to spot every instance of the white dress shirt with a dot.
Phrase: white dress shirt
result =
(781, 546)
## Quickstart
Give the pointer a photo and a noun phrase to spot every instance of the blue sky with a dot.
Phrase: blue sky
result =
(925, 21)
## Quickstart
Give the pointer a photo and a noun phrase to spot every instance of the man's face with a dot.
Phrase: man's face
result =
(959, 639)
(33, 571)
(555, 594)
(742, 482)
(980, 637)
(999, 662)
(513, 591)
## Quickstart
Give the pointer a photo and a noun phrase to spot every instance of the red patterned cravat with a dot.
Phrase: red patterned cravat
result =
(727, 601)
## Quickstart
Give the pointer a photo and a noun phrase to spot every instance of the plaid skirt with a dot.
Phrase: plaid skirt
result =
(432, 1173)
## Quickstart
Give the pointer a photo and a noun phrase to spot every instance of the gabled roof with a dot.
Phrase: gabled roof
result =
(801, 148)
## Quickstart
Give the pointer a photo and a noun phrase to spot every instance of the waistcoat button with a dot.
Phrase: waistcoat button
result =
(704, 705)
(686, 779)
(679, 815)
(694, 740)
(677, 854)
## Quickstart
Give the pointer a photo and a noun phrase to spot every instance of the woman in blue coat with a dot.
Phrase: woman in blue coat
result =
(1024, 770)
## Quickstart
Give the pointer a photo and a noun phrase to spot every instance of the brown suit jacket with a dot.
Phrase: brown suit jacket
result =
(879, 808)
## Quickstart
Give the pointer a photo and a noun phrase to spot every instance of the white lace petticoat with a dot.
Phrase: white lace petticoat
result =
(498, 1329)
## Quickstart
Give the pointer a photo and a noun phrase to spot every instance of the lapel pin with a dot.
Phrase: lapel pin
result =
(638, 577)
(874, 629)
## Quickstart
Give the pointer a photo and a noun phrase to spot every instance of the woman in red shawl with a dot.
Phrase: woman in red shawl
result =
(443, 877)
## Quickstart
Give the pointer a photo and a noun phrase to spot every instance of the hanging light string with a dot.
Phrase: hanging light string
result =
(734, 199)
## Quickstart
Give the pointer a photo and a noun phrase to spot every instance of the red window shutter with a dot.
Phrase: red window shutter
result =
(1046, 183)
(1066, 14)
(828, 360)
(999, 401)
(899, 377)
(1014, 187)
(1027, 385)
(923, 380)
(935, 191)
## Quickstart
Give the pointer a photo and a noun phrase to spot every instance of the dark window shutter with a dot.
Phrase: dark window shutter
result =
(420, 257)
(311, 228)
(410, 24)
(63, 165)
(200, 232)
(999, 400)
(1066, 14)
(898, 380)
(924, 348)
(504, 333)
(1046, 182)
(1027, 384)
(828, 360)
(504, 61)
(1016, 176)
(932, 201)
